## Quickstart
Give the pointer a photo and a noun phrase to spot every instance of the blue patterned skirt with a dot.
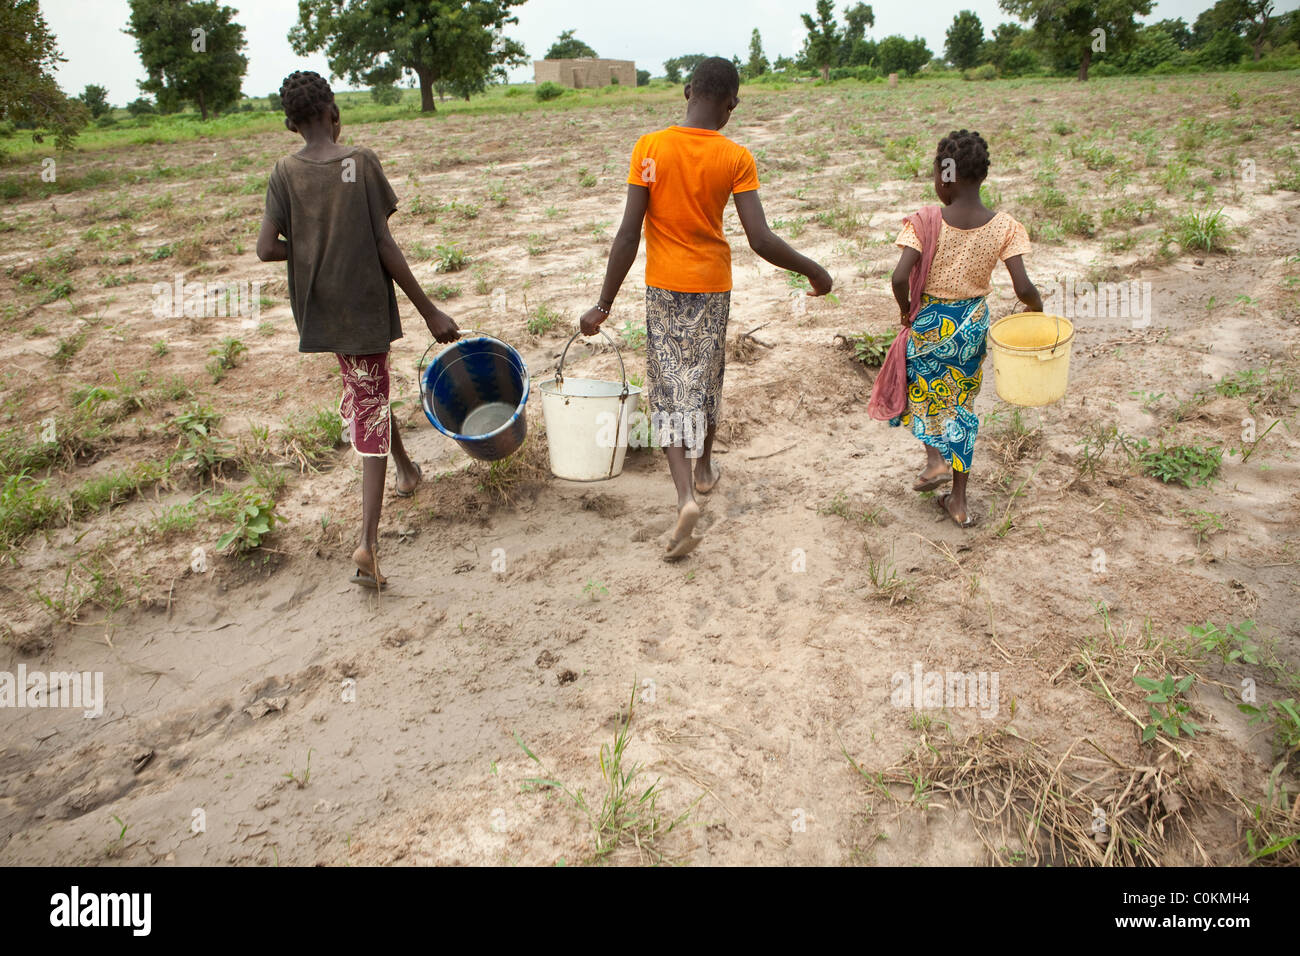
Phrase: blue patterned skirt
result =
(945, 350)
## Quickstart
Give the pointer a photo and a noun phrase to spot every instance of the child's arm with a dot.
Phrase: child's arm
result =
(270, 247)
(1026, 291)
(440, 324)
(768, 245)
(621, 256)
(902, 283)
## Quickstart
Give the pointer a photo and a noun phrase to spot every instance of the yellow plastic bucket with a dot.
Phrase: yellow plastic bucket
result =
(1031, 357)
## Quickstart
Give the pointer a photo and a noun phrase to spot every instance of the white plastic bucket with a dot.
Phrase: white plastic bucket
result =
(587, 422)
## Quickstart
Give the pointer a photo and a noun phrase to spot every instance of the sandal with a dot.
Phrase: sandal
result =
(929, 484)
(366, 580)
(419, 475)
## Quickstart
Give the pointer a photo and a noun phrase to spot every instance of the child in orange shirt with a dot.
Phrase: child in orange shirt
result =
(678, 186)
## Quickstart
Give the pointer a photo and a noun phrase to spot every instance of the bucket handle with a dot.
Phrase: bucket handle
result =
(559, 369)
(420, 365)
(622, 398)
(1047, 356)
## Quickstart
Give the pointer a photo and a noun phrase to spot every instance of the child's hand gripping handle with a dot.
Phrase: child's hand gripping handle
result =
(559, 369)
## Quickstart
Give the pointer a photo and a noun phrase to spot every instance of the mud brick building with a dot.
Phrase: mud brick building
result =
(585, 73)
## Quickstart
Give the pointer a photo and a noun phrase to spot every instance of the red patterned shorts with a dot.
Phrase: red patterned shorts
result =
(364, 406)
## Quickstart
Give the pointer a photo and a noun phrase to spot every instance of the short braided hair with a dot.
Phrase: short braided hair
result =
(968, 151)
(305, 96)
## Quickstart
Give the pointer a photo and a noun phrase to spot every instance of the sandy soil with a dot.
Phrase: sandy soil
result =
(762, 663)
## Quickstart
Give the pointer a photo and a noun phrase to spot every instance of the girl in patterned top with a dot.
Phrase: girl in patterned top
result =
(945, 346)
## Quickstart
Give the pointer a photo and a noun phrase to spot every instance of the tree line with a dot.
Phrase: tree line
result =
(193, 50)
(1061, 37)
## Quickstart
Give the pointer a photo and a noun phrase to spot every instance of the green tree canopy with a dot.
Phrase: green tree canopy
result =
(897, 54)
(680, 66)
(823, 41)
(757, 64)
(96, 99)
(1177, 30)
(569, 47)
(1252, 20)
(460, 46)
(1225, 48)
(190, 52)
(1065, 29)
(29, 95)
(855, 48)
(964, 39)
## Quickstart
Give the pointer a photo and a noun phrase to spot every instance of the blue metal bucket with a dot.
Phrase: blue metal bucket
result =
(474, 392)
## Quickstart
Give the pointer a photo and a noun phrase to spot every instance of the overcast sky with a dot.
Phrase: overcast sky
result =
(90, 33)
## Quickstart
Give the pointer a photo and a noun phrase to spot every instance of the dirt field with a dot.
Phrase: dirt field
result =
(263, 710)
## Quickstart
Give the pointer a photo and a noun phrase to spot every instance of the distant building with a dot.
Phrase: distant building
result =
(585, 73)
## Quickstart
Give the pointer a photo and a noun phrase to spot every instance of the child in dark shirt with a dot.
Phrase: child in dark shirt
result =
(331, 204)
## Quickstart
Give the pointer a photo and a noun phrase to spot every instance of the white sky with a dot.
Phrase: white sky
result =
(90, 33)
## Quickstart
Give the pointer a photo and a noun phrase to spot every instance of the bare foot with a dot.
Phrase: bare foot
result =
(705, 481)
(957, 514)
(683, 542)
(367, 569)
(683, 548)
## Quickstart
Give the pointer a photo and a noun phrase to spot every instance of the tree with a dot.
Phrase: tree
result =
(823, 40)
(678, 66)
(29, 95)
(386, 94)
(757, 64)
(569, 47)
(1223, 49)
(964, 38)
(897, 54)
(858, 19)
(142, 107)
(190, 52)
(855, 48)
(642, 77)
(1067, 28)
(1258, 14)
(96, 100)
(1005, 37)
(1230, 15)
(1151, 46)
(461, 46)
(1251, 19)
(1177, 30)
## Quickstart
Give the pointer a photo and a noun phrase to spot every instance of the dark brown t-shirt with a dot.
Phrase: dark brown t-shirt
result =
(331, 213)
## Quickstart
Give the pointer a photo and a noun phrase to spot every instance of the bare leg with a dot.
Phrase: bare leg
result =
(688, 512)
(956, 502)
(707, 471)
(373, 472)
(408, 473)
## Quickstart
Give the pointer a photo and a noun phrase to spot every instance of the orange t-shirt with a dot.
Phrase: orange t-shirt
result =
(691, 173)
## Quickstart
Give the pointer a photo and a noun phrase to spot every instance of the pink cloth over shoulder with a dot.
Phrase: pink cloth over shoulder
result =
(889, 393)
(928, 222)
